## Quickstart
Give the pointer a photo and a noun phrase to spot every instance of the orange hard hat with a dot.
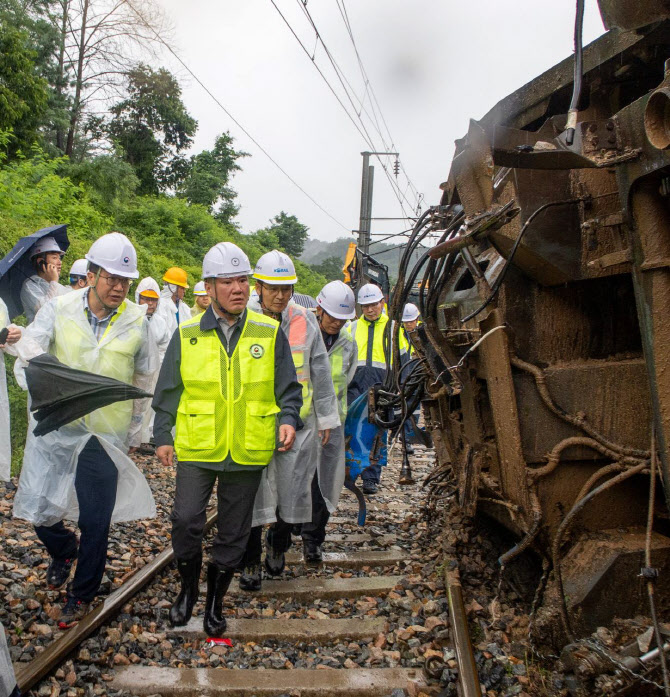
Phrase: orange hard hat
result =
(176, 276)
(149, 294)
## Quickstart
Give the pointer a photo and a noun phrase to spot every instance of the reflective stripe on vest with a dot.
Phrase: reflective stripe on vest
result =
(361, 329)
(297, 338)
(228, 404)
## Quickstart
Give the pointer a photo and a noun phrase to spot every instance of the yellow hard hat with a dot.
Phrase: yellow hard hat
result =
(176, 276)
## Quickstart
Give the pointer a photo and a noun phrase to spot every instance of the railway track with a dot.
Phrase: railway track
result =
(363, 623)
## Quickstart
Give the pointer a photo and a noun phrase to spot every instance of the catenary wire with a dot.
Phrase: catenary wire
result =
(160, 39)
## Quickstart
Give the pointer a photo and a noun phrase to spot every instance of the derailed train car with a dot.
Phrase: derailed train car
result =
(546, 332)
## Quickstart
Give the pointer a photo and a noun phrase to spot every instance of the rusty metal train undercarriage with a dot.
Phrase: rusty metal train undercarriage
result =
(546, 328)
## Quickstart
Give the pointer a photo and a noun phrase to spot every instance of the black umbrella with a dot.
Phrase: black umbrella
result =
(60, 394)
(15, 267)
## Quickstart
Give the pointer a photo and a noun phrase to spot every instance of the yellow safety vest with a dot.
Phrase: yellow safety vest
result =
(228, 404)
(338, 372)
(113, 356)
(359, 330)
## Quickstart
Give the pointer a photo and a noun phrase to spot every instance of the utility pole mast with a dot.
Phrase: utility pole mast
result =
(365, 217)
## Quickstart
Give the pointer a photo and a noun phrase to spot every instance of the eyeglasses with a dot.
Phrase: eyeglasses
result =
(278, 290)
(114, 281)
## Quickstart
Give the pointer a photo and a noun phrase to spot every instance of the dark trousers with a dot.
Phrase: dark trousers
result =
(316, 530)
(95, 484)
(278, 537)
(235, 494)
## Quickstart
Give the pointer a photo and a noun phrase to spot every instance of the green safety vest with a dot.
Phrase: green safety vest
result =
(228, 405)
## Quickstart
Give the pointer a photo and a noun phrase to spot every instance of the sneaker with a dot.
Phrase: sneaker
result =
(369, 487)
(274, 561)
(59, 572)
(73, 610)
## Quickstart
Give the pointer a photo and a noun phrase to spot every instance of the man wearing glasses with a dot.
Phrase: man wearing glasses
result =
(82, 472)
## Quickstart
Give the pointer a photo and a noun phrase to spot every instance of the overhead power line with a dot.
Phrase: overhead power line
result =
(356, 119)
(160, 39)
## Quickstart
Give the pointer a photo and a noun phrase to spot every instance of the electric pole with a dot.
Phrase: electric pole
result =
(365, 218)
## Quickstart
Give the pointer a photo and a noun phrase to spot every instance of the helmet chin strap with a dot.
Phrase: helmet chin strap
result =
(95, 292)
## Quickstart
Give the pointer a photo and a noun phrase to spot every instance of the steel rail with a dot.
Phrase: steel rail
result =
(58, 650)
(467, 668)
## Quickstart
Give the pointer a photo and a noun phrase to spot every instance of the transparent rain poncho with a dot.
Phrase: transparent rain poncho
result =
(168, 309)
(36, 292)
(127, 352)
(159, 330)
(5, 433)
(287, 481)
(343, 357)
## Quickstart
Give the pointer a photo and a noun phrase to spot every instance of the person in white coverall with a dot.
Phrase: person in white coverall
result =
(13, 335)
(147, 293)
(284, 497)
(47, 259)
(336, 305)
(81, 471)
(172, 304)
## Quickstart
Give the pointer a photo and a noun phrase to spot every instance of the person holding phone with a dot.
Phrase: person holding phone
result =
(47, 259)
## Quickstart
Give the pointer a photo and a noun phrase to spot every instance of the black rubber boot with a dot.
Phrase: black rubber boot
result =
(250, 578)
(217, 586)
(312, 552)
(275, 561)
(182, 608)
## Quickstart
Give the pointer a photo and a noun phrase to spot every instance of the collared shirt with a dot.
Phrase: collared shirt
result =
(230, 332)
(99, 326)
(168, 390)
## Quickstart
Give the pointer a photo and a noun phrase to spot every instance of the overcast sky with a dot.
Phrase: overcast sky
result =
(433, 64)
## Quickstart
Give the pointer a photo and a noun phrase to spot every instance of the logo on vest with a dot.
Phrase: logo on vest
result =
(194, 341)
(256, 351)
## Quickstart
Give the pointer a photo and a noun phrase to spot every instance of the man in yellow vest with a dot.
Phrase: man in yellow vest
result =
(227, 383)
(202, 300)
(368, 332)
(81, 471)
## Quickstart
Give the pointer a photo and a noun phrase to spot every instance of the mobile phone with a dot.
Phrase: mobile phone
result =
(4, 333)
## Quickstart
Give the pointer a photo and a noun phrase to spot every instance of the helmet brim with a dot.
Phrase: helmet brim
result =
(289, 281)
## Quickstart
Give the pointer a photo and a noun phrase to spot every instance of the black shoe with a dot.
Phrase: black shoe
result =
(73, 610)
(312, 552)
(250, 578)
(217, 586)
(369, 487)
(275, 561)
(59, 572)
(182, 609)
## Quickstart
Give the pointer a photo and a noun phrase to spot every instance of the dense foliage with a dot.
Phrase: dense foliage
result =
(94, 135)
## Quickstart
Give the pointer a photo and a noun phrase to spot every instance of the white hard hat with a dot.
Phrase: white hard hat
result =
(114, 253)
(410, 312)
(45, 245)
(79, 268)
(225, 260)
(276, 269)
(199, 288)
(146, 287)
(337, 299)
(369, 293)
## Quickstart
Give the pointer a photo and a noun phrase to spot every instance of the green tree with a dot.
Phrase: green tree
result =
(291, 233)
(152, 127)
(109, 179)
(331, 268)
(23, 94)
(208, 177)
